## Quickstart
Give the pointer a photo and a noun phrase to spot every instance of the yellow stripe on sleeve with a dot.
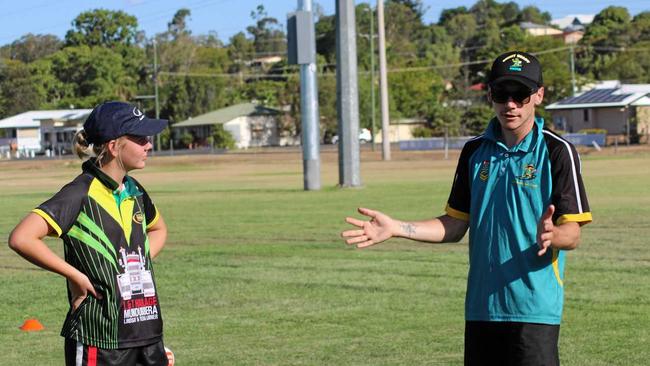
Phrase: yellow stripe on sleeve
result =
(456, 214)
(49, 220)
(583, 218)
(154, 221)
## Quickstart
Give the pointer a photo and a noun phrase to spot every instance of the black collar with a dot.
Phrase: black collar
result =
(90, 166)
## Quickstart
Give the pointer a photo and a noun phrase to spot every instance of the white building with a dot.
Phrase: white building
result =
(251, 125)
(39, 131)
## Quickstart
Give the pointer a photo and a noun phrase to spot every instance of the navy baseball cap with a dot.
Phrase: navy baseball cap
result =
(111, 120)
(517, 66)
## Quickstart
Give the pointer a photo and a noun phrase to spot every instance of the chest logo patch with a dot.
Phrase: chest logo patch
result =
(528, 173)
(484, 173)
(138, 217)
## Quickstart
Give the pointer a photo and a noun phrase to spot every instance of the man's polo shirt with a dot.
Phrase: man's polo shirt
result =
(104, 232)
(503, 193)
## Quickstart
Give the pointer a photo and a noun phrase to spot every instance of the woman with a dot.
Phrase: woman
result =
(110, 230)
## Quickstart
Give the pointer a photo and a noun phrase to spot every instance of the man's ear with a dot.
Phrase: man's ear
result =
(539, 95)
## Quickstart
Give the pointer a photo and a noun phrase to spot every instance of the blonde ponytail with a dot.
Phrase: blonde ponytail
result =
(85, 150)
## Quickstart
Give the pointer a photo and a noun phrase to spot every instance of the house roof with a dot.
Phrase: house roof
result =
(530, 25)
(32, 119)
(227, 114)
(573, 20)
(600, 97)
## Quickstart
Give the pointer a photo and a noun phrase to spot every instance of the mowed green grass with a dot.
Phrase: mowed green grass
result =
(255, 273)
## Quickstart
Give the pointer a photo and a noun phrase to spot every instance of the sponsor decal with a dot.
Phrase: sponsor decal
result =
(527, 176)
(529, 172)
(137, 113)
(140, 310)
(138, 217)
(517, 61)
(484, 173)
(137, 291)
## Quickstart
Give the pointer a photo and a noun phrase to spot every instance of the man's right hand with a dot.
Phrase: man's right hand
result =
(380, 228)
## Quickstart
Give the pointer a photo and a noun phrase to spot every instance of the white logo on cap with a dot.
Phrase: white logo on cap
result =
(137, 113)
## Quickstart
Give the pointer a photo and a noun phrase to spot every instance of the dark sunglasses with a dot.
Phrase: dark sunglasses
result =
(140, 140)
(520, 96)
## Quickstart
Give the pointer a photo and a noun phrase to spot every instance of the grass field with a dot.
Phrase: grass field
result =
(254, 272)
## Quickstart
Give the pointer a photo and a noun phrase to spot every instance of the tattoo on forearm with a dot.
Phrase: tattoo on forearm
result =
(408, 229)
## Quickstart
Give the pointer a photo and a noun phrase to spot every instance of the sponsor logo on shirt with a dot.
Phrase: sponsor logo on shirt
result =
(138, 217)
(527, 176)
(484, 173)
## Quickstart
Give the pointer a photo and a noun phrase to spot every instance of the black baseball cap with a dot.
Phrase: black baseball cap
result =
(516, 66)
(111, 120)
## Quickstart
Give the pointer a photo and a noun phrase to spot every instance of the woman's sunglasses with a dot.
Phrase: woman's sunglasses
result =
(140, 140)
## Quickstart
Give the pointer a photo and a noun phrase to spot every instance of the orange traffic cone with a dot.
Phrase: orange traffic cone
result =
(170, 356)
(31, 325)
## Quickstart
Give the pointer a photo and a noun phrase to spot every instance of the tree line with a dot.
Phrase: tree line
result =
(435, 70)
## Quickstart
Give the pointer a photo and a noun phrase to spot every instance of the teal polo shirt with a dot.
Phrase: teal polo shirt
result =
(503, 193)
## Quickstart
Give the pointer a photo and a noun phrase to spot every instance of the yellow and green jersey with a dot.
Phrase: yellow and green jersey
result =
(104, 229)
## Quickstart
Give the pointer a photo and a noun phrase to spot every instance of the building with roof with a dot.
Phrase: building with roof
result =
(619, 109)
(41, 131)
(574, 22)
(573, 26)
(539, 29)
(251, 125)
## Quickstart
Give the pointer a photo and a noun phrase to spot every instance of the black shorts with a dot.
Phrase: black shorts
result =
(78, 354)
(511, 343)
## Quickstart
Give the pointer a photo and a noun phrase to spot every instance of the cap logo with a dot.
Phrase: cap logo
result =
(516, 61)
(137, 113)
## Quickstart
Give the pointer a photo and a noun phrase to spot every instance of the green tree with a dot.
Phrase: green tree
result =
(534, 15)
(31, 47)
(18, 93)
(222, 138)
(91, 75)
(268, 37)
(476, 118)
(105, 28)
(240, 50)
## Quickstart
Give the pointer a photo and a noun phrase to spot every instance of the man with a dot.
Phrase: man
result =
(519, 191)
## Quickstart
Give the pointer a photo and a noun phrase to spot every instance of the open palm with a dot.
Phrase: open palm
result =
(380, 227)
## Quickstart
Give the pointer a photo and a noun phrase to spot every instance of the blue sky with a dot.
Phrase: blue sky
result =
(226, 17)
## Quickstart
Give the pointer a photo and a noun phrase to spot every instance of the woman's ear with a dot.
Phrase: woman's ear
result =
(112, 147)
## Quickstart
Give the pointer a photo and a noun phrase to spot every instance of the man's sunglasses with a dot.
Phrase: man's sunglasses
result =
(520, 96)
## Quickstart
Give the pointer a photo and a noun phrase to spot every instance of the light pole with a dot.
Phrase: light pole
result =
(383, 91)
(155, 87)
(372, 75)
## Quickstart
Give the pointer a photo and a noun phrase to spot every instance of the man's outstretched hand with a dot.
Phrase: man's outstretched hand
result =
(380, 228)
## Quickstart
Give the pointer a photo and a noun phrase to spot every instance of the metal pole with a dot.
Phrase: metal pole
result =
(372, 76)
(627, 126)
(347, 97)
(155, 88)
(383, 83)
(573, 70)
(309, 115)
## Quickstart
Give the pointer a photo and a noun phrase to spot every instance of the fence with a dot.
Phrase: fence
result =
(434, 143)
(438, 143)
(586, 139)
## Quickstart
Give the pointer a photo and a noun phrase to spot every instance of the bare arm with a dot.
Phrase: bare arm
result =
(27, 240)
(157, 236)
(382, 227)
(565, 236)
